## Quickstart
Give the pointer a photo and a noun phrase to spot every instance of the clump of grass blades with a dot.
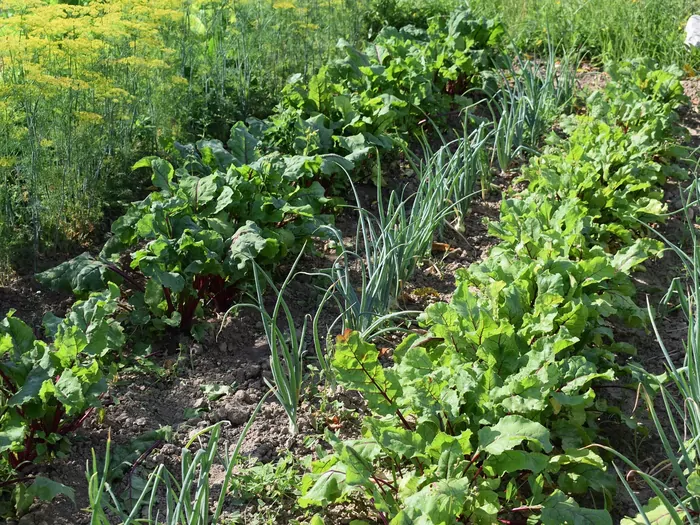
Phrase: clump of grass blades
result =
(612, 30)
(187, 499)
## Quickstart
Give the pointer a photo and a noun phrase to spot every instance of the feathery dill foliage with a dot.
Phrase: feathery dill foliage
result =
(87, 89)
(83, 89)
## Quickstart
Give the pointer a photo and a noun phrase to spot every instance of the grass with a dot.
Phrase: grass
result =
(610, 30)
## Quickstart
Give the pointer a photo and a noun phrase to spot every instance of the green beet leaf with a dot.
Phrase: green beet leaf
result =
(558, 509)
(358, 368)
(510, 432)
(438, 503)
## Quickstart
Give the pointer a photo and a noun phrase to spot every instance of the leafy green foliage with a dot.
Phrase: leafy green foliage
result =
(369, 99)
(48, 389)
(401, 13)
(617, 157)
(273, 481)
(146, 96)
(470, 407)
(192, 242)
(79, 275)
(489, 412)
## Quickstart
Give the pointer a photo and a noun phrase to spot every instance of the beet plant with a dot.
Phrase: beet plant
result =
(49, 389)
(373, 98)
(189, 246)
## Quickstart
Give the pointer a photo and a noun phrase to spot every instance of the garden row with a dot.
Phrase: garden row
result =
(85, 90)
(190, 247)
(191, 243)
(489, 414)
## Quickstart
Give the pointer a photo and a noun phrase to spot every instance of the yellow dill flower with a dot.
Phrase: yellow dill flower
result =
(283, 5)
(88, 117)
(143, 63)
(178, 80)
(115, 94)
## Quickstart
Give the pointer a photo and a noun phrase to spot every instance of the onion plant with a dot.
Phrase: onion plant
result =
(530, 95)
(165, 498)
(368, 279)
(286, 351)
(286, 354)
(677, 491)
(457, 165)
(509, 116)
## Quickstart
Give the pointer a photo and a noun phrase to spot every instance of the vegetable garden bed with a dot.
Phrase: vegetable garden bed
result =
(487, 407)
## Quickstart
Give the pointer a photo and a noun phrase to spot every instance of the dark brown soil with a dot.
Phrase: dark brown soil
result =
(31, 301)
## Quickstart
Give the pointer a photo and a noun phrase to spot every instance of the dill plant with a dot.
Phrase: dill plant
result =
(88, 89)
